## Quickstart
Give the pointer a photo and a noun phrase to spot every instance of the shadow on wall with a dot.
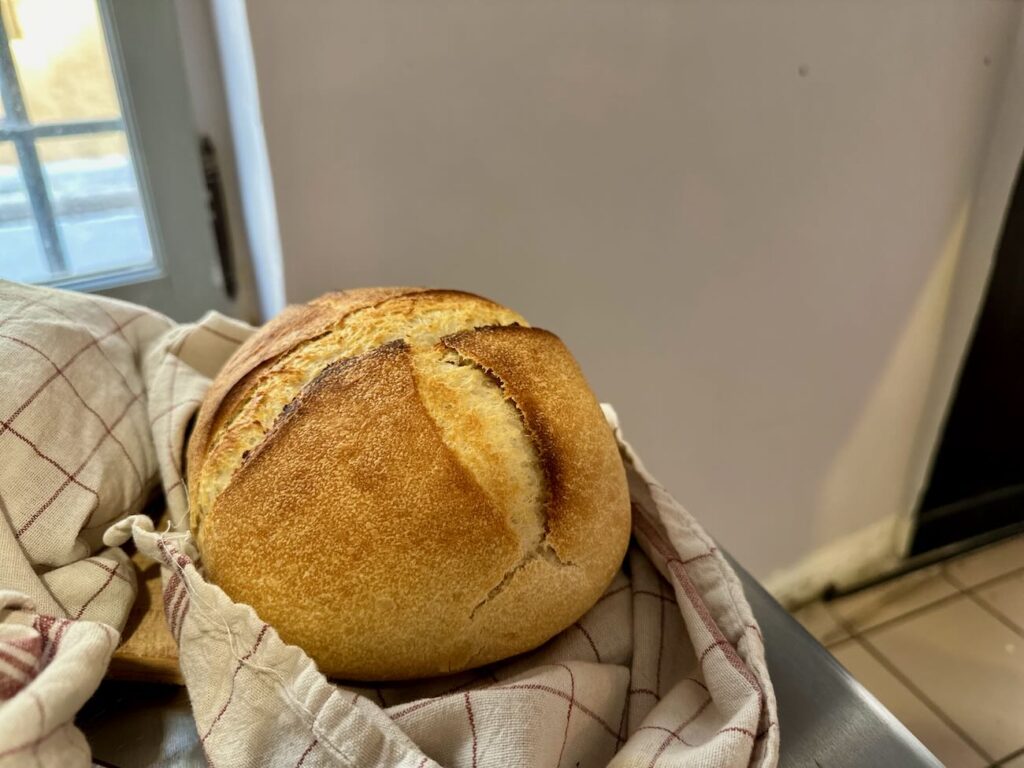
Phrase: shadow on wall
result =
(868, 479)
(869, 491)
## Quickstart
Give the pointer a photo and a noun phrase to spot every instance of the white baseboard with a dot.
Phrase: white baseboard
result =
(860, 555)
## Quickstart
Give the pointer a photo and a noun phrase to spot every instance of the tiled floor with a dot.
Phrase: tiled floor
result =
(943, 649)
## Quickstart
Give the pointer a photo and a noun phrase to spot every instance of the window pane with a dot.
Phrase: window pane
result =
(21, 254)
(96, 202)
(61, 58)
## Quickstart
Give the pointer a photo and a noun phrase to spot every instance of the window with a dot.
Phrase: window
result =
(70, 202)
(102, 184)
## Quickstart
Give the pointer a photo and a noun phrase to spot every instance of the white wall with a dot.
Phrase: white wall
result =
(743, 217)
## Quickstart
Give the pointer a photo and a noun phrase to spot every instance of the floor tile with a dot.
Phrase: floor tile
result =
(893, 599)
(1017, 762)
(817, 620)
(989, 562)
(944, 742)
(1007, 596)
(969, 664)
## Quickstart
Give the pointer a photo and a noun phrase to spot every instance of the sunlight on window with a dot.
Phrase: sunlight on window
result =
(61, 58)
(70, 204)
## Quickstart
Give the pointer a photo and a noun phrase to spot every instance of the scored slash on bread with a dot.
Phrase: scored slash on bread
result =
(407, 482)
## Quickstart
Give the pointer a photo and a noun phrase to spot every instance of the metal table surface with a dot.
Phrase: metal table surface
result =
(826, 718)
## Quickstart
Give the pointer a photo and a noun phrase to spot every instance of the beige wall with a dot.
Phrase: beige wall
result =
(743, 217)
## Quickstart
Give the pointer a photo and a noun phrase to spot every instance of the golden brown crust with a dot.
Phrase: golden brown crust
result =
(585, 477)
(366, 320)
(369, 524)
(360, 566)
(294, 325)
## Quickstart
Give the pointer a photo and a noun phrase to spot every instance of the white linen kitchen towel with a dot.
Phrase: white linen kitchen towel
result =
(96, 396)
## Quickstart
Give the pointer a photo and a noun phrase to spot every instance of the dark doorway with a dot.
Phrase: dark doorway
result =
(977, 479)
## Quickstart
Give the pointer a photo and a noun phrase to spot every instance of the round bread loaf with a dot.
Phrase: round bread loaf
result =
(407, 482)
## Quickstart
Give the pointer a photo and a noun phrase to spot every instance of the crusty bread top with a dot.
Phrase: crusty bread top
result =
(271, 369)
(294, 325)
(407, 482)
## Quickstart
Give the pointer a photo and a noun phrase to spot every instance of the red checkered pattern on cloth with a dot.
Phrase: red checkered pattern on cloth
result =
(77, 377)
(49, 667)
(667, 669)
